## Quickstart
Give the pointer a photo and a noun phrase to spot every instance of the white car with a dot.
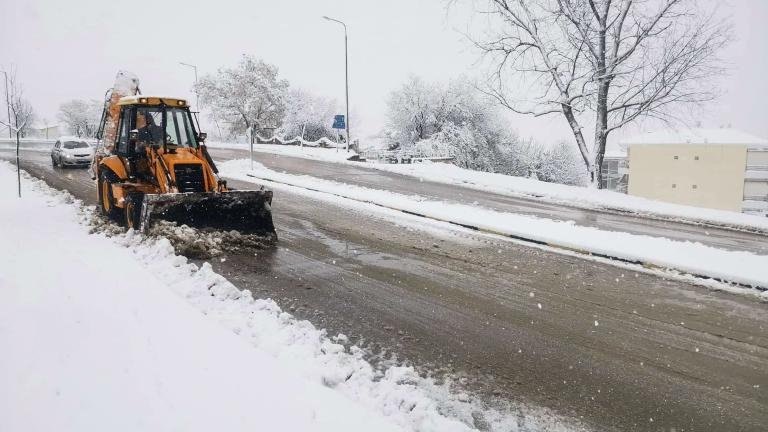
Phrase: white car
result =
(72, 151)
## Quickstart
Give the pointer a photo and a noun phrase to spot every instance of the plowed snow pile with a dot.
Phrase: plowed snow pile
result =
(115, 332)
(191, 242)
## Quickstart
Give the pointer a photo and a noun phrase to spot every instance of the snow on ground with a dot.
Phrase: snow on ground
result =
(306, 152)
(573, 196)
(692, 258)
(159, 343)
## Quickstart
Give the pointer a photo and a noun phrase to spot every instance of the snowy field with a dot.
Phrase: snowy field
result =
(573, 196)
(690, 258)
(174, 346)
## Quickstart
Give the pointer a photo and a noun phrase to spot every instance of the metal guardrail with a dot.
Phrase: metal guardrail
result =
(403, 156)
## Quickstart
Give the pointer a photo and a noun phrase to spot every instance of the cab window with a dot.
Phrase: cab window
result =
(122, 137)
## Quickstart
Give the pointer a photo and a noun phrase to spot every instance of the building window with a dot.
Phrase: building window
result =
(676, 157)
(610, 171)
(674, 186)
(694, 187)
(695, 158)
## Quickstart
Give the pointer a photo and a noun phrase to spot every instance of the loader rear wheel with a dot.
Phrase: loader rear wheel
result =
(132, 211)
(106, 199)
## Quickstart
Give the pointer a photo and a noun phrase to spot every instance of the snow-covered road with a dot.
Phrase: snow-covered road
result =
(691, 258)
(93, 339)
(113, 331)
(509, 322)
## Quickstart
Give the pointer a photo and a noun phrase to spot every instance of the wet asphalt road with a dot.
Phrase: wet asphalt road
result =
(607, 345)
(376, 179)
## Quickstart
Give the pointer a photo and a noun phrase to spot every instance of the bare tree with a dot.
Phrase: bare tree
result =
(610, 61)
(21, 112)
(22, 115)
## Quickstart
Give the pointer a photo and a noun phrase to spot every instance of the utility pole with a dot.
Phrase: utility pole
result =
(7, 104)
(197, 95)
(346, 73)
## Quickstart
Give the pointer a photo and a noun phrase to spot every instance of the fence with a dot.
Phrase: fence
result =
(403, 156)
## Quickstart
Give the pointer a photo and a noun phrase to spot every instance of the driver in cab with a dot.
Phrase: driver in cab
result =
(150, 132)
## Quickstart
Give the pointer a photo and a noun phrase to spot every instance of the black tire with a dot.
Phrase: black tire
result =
(132, 211)
(53, 161)
(106, 198)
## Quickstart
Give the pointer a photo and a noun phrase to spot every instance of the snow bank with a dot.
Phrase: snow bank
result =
(573, 196)
(689, 257)
(84, 349)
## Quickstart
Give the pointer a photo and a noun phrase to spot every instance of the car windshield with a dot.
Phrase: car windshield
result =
(74, 145)
(177, 129)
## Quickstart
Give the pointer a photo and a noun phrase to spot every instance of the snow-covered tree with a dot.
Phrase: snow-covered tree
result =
(451, 118)
(561, 164)
(458, 120)
(410, 112)
(527, 158)
(81, 117)
(605, 62)
(308, 116)
(249, 96)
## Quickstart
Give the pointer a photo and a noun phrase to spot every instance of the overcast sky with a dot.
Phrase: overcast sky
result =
(70, 49)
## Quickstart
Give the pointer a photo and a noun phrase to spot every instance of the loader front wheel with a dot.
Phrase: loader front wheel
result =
(106, 199)
(132, 211)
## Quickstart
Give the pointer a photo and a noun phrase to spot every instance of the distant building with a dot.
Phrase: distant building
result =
(715, 168)
(44, 131)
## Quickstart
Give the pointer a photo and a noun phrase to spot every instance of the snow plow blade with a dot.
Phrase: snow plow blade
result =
(248, 212)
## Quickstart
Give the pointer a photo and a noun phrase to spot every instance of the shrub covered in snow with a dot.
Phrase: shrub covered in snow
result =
(456, 120)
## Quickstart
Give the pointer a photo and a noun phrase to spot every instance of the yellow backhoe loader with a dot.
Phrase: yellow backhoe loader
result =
(152, 163)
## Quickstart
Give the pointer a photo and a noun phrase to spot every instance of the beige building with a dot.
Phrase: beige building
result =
(714, 168)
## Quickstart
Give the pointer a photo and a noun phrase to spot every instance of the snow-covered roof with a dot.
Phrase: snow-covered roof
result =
(697, 136)
(615, 151)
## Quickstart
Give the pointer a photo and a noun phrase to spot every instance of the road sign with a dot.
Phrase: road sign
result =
(338, 122)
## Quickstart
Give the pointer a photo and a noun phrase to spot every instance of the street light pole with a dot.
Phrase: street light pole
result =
(346, 73)
(7, 104)
(197, 95)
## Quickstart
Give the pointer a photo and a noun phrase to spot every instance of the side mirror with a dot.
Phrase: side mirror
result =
(202, 136)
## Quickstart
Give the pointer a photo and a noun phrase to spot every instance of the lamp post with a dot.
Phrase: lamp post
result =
(7, 104)
(197, 95)
(346, 73)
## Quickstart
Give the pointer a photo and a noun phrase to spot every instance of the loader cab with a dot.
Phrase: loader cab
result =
(154, 122)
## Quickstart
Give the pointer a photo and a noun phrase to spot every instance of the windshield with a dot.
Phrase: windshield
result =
(177, 129)
(75, 144)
